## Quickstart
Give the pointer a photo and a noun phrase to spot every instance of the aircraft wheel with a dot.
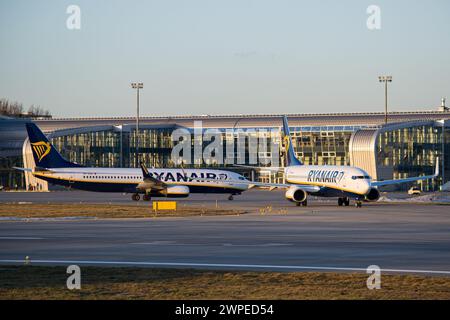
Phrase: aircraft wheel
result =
(340, 202)
(135, 197)
(358, 204)
(146, 197)
(346, 202)
(230, 197)
(298, 204)
(305, 203)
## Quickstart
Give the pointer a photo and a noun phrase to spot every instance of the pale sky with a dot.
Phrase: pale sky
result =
(224, 57)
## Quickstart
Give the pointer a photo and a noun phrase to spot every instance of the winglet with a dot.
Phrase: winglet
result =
(436, 171)
(144, 170)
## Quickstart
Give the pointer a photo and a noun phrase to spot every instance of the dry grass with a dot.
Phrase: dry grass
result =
(102, 211)
(38, 282)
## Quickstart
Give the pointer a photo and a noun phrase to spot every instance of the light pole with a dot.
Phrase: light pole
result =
(385, 79)
(137, 86)
(442, 122)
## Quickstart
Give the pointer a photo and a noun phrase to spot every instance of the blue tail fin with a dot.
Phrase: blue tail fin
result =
(44, 153)
(291, 159)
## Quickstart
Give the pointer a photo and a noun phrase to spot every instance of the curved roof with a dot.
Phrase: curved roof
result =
(12, 136)
(362, 144)
(262, 120)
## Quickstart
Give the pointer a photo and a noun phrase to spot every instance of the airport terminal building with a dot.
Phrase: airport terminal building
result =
(408, 145)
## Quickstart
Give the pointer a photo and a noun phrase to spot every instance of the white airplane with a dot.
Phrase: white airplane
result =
(172, 183)
(343, 182)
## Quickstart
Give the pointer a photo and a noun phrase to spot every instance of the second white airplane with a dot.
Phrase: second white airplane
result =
(343, 182)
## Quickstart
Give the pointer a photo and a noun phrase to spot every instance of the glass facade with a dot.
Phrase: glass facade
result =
(10, 178)
(400, 153)
(116, 147)
(413, 151)
(96, 149)
(155, 146)
(326, 145)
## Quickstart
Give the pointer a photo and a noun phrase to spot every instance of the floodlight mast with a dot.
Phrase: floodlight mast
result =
(137, 86)
(385, 79)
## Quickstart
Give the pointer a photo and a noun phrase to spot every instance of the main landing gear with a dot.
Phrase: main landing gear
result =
(303, 203)
(231, 196)
(137, 197)
(343, 202)
(358, 204)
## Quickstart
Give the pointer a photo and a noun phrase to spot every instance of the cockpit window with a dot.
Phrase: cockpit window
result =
(241, 178)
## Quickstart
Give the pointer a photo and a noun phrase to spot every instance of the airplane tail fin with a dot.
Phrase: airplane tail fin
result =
(44, 153)
(291, 159)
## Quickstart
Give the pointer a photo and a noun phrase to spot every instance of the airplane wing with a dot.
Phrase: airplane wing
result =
(251, 184)
(307, 188)
(411, 179)
(149, 181)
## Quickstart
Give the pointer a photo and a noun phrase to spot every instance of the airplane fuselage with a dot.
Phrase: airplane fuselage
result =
(334, 181)
(128, 179)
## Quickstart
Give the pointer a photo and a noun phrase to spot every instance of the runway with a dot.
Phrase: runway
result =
(251, 198)
(392, 236)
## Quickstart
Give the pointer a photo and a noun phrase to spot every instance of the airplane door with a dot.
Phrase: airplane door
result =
(344, 181)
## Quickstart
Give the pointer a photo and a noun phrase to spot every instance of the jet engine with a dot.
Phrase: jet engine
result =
(296, 194)
(373, 195)
(176, 191)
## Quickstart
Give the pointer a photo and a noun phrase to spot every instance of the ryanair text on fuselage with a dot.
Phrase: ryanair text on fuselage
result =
(168, 176)
(333, 176)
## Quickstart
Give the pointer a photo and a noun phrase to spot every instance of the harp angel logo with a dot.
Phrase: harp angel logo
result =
(41, 148)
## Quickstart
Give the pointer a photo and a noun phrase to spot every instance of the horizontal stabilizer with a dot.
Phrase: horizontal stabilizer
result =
(23, 169)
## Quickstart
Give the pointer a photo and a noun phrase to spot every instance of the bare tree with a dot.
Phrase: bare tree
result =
(15, 109)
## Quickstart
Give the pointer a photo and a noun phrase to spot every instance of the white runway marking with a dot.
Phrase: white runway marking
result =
(166, 243)
(20, 238)
(174, 243)
(258, 245)
(221, 265)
